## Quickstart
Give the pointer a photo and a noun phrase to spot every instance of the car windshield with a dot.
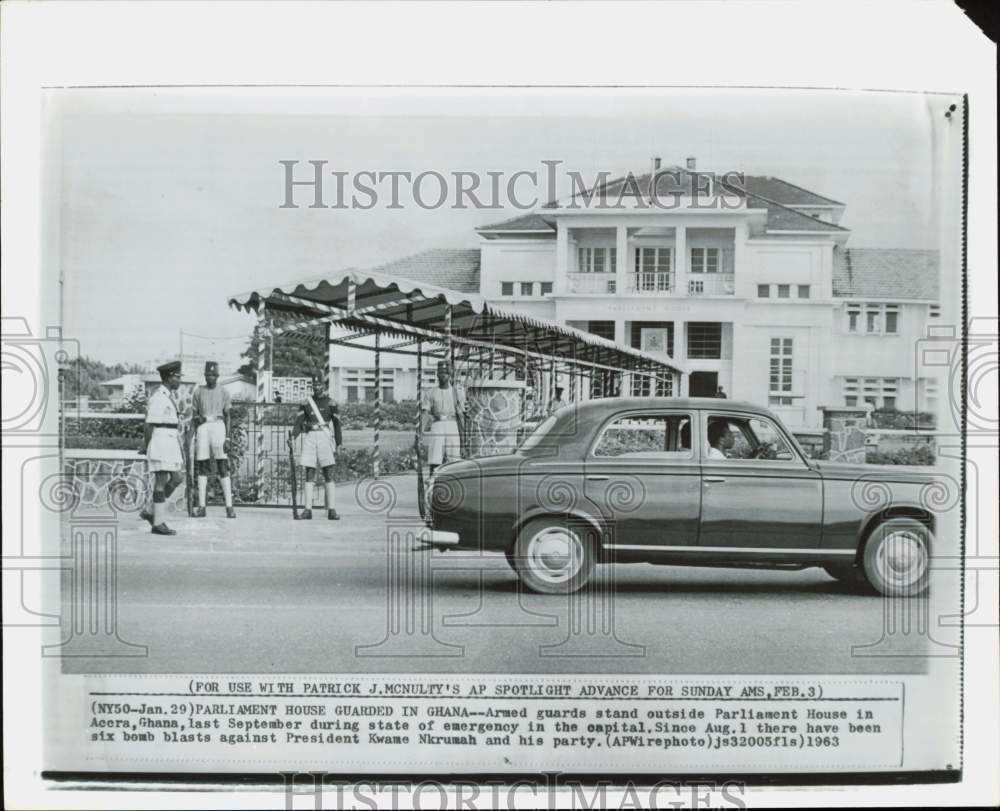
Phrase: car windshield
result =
(538, 434)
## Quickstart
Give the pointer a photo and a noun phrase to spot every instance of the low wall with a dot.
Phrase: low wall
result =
(812, 441)
(115, 480)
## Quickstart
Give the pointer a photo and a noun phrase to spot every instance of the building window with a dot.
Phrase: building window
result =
(891, 319)
(935, 311)
(784, 291)
(604, 329)
(873, 319)
(653, 267)
(653, 260)
(853, 317)
(803, 291)
(704, 260)
(506, 288)
(763, 291)
(878, 392)
(597, 260)
(927, 394)
(704, 339)
(546, 288)
(851, 391)
(645, 386)
(527, 288)
(780, 379)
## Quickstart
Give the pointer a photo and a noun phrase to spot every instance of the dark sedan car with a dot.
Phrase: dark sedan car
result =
(698, 482)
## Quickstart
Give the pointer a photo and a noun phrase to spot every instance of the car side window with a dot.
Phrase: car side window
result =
(654, 436)
(745, 439)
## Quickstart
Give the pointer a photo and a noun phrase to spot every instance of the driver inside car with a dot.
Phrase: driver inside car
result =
(720, 438)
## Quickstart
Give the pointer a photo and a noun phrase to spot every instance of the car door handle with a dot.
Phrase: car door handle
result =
(597, 478)
(714, 479)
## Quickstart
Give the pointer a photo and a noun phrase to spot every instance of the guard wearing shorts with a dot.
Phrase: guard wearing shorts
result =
(162, 446)
(210, 405)
(444, 417)
(321, 436)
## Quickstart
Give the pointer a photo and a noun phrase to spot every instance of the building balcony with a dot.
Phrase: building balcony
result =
(650, 282)
(657, 283)
(591, 283)
(711, 284)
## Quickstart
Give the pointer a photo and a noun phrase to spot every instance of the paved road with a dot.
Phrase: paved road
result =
(266, 594)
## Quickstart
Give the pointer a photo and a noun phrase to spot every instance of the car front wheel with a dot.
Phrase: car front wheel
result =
(897, 557)
(553, 556)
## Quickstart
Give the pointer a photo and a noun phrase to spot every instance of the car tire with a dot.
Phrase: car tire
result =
(849, 575)
(554, 556)
(897, 557)
(511, 560)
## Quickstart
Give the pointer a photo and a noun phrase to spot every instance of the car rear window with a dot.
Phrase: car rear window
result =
(666, 436)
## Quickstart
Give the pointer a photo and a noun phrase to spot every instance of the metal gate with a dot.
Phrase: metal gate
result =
(258, 455)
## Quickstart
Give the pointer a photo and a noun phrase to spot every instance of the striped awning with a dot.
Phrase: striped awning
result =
(369, 301)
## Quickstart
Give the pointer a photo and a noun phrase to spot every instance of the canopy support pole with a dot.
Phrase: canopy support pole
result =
(377, 455)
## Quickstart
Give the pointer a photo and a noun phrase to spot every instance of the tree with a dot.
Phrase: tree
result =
(298, 354)
(83, 376)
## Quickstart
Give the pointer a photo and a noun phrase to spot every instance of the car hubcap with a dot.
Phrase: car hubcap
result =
(902, 559)
(555, 554)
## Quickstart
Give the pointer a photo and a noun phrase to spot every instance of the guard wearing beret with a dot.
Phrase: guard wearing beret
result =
(162, 445)
(319, 424)
(210, 406)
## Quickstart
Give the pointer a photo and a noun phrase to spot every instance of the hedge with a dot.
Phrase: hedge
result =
(917, 455)
(892, 418)
(104, 443)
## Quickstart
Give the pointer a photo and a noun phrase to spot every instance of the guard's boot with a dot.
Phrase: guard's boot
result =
(306, 515)
(230, 512)
(163, 529)
(199, 512)
(332, 515)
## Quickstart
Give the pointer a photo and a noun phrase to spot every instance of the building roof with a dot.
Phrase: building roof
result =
(452, 268)
(781, 191)
(782, 218)
(886, 273)
(778, 196)
(525, 223)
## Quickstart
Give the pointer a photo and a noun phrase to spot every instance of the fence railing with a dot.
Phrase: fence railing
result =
(590, 282)
(650, 282)
(711, 284)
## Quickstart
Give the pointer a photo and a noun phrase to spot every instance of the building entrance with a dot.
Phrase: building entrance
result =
(703, 384)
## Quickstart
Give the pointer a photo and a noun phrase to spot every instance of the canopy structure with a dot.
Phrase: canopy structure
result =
(481, 340)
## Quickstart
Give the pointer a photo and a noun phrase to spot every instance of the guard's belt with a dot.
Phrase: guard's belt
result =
(163, 424)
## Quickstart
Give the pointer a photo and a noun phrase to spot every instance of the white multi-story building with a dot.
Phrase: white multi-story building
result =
(747, 285)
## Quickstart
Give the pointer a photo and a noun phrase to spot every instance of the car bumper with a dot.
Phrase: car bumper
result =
(439, 539)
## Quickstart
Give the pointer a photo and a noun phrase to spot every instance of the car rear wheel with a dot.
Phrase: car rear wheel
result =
(553, 556)
(897, 557)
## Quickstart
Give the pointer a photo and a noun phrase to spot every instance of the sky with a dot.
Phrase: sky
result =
(163, 203)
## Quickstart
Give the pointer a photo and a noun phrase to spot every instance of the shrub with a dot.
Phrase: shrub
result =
(917, 455)
(103, 427)
(104, 443)
(398, 416)
(904, 420)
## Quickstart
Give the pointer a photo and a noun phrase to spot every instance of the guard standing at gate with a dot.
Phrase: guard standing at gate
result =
(210, 405)
(319, 424)
(443, 412)
(162, 446)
